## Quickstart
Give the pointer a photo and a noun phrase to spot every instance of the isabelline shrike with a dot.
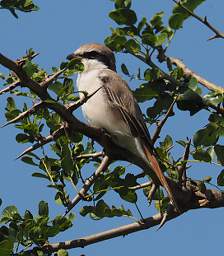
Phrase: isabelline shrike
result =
(114, 108)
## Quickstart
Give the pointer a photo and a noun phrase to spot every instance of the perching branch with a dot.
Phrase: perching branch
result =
(204, 21)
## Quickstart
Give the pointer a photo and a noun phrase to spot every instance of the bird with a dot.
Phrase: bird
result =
(114, 108)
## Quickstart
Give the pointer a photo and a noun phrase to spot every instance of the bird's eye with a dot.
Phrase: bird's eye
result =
(90, 55)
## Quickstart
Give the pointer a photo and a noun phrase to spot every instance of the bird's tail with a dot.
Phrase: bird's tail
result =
(157, 170)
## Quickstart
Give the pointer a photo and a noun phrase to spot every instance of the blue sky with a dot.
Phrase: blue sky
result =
(57, 30)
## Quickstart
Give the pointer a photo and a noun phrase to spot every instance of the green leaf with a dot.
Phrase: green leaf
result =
(6, 248)
(207, 136)
(22, 138)
(180, 15)
(202, 155)
(128, 195)
(102, 210)
(220, 178)
(160, 106)
(219, 150)
(116, 42)
(161, 205)
(213, 98)
(28, 160)
(40, 175)
(160, 39)
(30, 68)
(145, 92)
(124, 69)
(10, 104)
(43, 209)
(67, 160)
(141, 24)
(190, 101)
(62, 252)
(122, 4)
(123, 16)
(157, 21)
(149, 39)
(132, 46)
(8, 213)
(63, 223)
(167, 143)
(28, 215)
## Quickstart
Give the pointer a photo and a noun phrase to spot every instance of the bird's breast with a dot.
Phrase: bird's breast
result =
(96, 110)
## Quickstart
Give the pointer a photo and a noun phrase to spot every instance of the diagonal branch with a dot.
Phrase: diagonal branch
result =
(89, 182)
(56, 134)
(162, 122)
(189, 73)
(10, 87)
(51, 78)
(50, 103)
(25, 114)
(204, 21)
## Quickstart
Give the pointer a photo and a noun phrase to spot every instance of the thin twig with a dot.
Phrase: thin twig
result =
(23, 60)
(56, 134)
(162, 122)
(24, 114)
(10, 87)
(75, 105)
(204, 21)
(92, 155)
(141, 186)
(183, 167)
(52, 77)
(89, 182)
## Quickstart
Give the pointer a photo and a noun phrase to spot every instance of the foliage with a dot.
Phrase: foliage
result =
(20, 5)
(62, 164)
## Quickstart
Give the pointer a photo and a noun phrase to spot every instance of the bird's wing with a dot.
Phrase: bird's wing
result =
(125, 105)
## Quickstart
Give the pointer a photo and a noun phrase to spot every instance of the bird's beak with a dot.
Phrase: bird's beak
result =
(73, 56)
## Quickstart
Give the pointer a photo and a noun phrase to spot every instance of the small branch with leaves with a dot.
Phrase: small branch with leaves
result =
(204, 21)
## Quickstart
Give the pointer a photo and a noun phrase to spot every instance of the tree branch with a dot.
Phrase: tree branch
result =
(25, 114)
(88, 183)
(188, 73)
(56, 134)
(162, 122)
(10, 87)
(214, 199)
(51, 78)
(204, 21)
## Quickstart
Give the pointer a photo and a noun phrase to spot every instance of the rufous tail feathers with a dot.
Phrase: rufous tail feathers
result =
(157, 170)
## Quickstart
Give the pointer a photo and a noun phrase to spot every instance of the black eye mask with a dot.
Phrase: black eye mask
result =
(97, 56)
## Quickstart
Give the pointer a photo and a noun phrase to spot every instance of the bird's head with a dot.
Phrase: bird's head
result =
(94, 56)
